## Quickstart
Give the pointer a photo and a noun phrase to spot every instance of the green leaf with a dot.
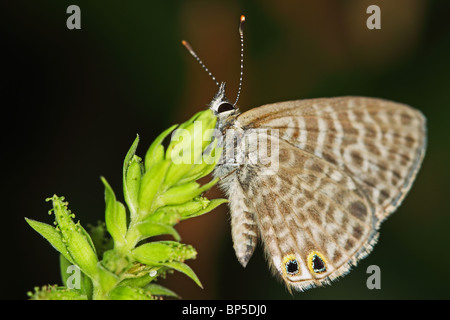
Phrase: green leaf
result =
(211, 206)
(150, 185)
(86, 286)
(150, 229)
(126, 164)
(107, 279)
(115, 216)
(207, 166)
(140, 281)
(63, 265)
(158, 290)
(165, 215)
(176, 172)
(209, 160)
(51, 235)
(188, 140)
(184, 268)
(156, 151)
(179, 194)
(183, 193)
(187, 146)
(195, 173)
(172, 214)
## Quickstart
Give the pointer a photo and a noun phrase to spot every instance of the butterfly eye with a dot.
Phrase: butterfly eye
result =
(291, 265)
(225, 107)
(316, 262)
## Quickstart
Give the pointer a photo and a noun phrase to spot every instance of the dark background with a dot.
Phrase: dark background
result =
(73, 101)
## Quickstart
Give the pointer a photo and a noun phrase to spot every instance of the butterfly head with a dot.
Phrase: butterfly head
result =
(220, 105)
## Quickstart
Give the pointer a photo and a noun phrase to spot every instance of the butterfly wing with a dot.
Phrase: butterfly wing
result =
(314, 221)
(380, 144)
(343, 165)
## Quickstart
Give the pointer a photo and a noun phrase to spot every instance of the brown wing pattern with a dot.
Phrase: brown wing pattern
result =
(379, 143)
(344, 164)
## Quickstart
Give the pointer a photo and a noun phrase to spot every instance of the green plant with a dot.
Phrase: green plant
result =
(159, 192)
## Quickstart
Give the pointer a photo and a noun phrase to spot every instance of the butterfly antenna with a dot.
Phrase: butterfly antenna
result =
(192, 52)
(241, 34)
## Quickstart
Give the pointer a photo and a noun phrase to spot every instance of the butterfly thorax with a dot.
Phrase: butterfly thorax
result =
(233, 169)
(228, 133)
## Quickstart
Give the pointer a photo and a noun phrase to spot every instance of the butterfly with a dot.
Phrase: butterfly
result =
(336, 169)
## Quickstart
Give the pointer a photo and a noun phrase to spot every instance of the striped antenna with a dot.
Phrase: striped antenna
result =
(241, 34)
(192, 52)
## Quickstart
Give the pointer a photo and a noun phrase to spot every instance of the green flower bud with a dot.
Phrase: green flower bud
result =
(133, 182)
(115, 216)
(130, 293)
(77, 241)
(187, 146)
(56, 293)
(163, 251)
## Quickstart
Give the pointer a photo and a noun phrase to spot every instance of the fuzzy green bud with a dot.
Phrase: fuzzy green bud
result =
(75, 238)
(163, 251)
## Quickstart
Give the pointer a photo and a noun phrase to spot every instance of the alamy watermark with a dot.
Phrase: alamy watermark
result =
(74, 20)
(374, 280)
(74, 280)
(374, 20)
